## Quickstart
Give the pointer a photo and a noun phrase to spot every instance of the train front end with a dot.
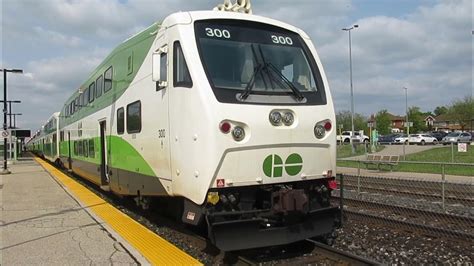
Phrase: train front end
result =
(274, 144)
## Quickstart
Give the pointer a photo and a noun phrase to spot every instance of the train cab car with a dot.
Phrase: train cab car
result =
(228, 113)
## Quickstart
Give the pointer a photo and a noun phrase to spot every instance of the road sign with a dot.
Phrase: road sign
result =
(370, 124)
(5, 134)
(410, 124)
(462, 147)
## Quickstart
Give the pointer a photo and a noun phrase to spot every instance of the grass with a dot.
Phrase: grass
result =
(437, 155)
(344, 151)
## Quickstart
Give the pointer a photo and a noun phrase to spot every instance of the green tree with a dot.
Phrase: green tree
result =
(440, 110)
(462, 111)
(382, 120)
(418, 118)
(344, 118)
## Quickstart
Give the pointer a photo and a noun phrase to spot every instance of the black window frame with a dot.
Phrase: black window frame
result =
(177, 49)
(92, 92)
(121, 122)
(107, 80)
(229, 96)
(98, 91)
(138, 130)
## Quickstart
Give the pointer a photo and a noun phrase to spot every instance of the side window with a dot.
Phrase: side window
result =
(91, 92)
(181, 77)
(163, 67)
(99, 84)
(134, 118)
(120, 121)
(85, 145)
(91, 148)
(85, 96)
(108, 79)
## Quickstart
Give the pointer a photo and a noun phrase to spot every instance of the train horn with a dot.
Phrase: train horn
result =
(242, 6)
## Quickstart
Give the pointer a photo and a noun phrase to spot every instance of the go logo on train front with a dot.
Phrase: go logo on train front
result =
(273, 165)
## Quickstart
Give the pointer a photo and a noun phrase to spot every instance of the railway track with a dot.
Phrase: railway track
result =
(412, 188)
(432, 222)
(340, 257)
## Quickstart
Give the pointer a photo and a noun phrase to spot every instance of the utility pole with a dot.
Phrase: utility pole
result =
(5, 142)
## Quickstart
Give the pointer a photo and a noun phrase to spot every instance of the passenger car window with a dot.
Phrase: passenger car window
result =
(108, 79)
(134, 119)
(91, 92)
(99, 84)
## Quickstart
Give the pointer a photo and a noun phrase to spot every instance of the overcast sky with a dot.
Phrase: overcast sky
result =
(426, 46)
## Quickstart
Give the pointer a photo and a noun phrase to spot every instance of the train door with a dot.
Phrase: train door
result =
(104, 180)
(162, 162)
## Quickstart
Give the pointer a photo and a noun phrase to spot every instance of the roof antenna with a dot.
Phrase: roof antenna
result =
(241, 6)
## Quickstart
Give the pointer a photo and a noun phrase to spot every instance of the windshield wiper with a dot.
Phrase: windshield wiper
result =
(251, 83)
(299, 96)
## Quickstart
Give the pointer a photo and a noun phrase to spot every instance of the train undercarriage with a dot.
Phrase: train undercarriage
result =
(268, 215)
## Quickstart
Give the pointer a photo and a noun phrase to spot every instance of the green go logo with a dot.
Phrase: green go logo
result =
(273, 165)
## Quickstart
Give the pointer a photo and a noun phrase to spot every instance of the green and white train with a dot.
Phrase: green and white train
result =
(227, 115)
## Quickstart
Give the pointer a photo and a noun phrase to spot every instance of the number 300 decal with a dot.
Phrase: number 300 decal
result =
(282, 40)
(217, 33)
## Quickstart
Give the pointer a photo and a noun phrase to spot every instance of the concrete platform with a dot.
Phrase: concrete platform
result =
(43, 224)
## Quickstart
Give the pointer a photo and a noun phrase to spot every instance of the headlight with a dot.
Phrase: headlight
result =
(288, 119)
(275, 118)
(238, 133)
(319, 131)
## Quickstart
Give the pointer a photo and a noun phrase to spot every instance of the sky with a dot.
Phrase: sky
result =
(423, 45)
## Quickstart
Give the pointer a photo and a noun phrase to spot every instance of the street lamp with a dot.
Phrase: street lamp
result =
(352, 89)
(4, 70)
(407, 124)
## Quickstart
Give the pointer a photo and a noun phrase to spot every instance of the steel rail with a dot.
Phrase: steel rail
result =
(423, 227)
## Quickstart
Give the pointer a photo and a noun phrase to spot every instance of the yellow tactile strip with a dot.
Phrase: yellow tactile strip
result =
(155, 249)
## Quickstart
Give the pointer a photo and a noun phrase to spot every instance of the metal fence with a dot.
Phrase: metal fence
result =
(437, 203)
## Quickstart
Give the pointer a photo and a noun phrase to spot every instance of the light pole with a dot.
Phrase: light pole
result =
(352, 89)
(10, 111)
(406, 121)
(5, 169)
(406, 110)
(14, 119)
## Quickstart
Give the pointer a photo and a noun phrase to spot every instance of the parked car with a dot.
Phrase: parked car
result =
(390, 138)
(346, 137)
(422, 139)
(402, 138)
(456, 137)
(439, 135)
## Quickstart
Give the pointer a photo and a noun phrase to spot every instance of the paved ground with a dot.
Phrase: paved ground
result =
(398, 150)
(42, 224)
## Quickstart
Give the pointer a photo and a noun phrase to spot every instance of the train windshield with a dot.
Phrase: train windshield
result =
(248, 62)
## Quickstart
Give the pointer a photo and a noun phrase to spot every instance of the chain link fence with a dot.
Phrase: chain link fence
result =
(431, 203)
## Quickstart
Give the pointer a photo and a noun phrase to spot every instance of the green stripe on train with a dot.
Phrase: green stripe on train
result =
(121, 155)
